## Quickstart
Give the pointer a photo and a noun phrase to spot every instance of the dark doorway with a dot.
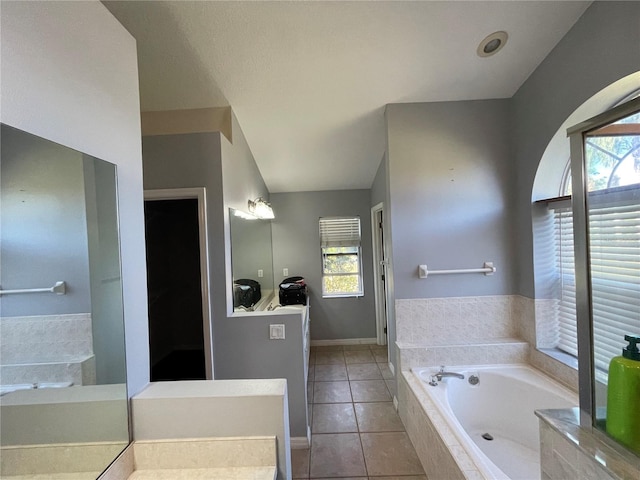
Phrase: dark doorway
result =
(176, 338)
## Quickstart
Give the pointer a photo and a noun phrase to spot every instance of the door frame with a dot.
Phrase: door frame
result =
(200, 194)
(379, 267)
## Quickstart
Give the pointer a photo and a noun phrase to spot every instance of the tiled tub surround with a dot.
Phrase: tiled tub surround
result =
(47, 348)
(437, 447)
(477, 331)
(569, 451)
(436, 427)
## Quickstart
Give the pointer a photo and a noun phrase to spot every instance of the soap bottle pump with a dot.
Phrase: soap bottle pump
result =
(623, 396)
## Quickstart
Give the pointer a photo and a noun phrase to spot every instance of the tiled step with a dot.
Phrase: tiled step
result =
(222, 473)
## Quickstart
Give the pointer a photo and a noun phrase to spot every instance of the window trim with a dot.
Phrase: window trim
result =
(334, 236)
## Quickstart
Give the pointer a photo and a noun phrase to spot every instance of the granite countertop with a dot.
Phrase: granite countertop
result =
(618, 461)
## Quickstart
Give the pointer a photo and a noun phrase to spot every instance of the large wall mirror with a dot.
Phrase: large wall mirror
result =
(63, 401)
(251, 261)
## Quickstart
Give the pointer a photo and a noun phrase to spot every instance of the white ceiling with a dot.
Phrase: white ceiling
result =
(308, 81)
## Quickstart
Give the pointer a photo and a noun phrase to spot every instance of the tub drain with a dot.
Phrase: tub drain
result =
(487, 436)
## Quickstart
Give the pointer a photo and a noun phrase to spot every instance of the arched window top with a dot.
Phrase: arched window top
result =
(613, 155)
(555, 158)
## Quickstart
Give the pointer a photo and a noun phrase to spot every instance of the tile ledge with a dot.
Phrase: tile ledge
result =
(615, 460)
(223, 473)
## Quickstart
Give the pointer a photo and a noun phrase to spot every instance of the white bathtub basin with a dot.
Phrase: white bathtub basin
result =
(501, 405)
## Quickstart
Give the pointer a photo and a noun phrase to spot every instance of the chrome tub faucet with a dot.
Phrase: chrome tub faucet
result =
(442, 374)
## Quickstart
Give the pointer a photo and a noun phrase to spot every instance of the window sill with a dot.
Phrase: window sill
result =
(350, 295)
(560, 356)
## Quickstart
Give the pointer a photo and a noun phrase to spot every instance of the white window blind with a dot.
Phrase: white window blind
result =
(340, 231)
(565, 270)
(614, 236)
(341, 257)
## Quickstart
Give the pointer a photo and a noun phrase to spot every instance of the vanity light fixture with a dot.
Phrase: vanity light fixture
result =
(245, 215)
(492, 44)
(261, 208)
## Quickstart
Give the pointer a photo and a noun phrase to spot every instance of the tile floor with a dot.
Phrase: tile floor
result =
(355, 431)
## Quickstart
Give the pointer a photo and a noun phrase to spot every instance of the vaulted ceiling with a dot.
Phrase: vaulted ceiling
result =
(309, 81)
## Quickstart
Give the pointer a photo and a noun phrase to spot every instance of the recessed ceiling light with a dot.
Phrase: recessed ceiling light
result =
(492, 44)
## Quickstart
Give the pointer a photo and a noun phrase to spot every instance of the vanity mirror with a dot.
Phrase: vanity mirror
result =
(62, 371)
(251, 260)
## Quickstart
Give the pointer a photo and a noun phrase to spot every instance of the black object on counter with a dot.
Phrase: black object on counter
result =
(293, 290)
(246, 292)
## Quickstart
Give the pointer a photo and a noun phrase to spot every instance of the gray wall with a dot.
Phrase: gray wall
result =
(602, 47)
(55, 85)
(450, 178)
(296, 246)
(44, 226)
(193, 160)
(379, 185)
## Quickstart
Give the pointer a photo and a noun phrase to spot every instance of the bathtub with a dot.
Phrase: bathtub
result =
(494, 421)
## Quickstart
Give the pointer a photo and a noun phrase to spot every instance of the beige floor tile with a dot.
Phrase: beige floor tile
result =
(381, 356)
(334, 418)
(390, 454)
(357, 347)
(337, 455)
(327, 373)
(312, 373)
(330, 358)
(327, 348)
(331, 392)
(378, 417)
(403, 477)
(364, 371)
(300, 463)
(312, 358)
(385, 370)
(358, 356)
(370, 391)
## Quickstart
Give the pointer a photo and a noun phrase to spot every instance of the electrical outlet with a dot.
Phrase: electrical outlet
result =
(285, 272)
(260, 273)
(276, 332)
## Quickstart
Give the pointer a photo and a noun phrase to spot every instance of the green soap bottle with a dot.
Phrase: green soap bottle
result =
(623, 396)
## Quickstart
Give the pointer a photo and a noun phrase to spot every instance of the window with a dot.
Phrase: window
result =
(612, 156)
(341, 257)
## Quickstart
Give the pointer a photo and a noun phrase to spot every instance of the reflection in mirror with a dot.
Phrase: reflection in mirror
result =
(612, 161)
(63, 401)
(251, 261)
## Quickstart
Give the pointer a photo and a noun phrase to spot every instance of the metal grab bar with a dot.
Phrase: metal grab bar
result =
(60, 288)
(487, 269)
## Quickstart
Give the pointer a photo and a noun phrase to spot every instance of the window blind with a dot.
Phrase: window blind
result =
(565, 271)
(614, 238)
(340, 231)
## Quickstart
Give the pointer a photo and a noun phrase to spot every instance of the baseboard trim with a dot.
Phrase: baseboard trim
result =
(392, 368)
(345, 341)
(299, 443)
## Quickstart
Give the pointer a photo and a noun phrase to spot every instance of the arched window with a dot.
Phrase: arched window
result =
(613, 162)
